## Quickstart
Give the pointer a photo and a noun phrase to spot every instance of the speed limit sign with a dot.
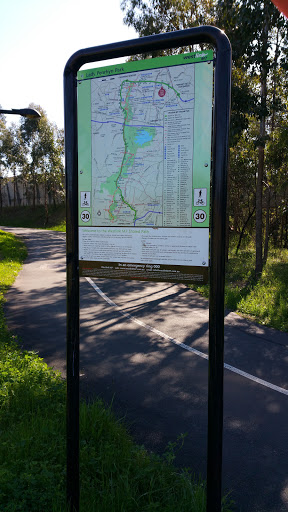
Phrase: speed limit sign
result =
(85, 216)
(199, 216)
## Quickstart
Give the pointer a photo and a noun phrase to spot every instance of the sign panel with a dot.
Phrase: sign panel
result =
(144, 146)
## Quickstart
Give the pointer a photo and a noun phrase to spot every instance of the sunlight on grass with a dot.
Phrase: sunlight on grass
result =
(267, 301)
(264, 301)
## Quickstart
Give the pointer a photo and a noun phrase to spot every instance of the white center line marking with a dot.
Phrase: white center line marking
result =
(182, 345)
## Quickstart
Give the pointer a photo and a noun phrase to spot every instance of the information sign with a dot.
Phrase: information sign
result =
(144, 155)
(137, 160)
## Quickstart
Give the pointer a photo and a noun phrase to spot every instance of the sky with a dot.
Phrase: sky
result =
(37, 37)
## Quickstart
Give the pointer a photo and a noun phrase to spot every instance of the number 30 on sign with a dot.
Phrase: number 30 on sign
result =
(199, 216)
(85, 216)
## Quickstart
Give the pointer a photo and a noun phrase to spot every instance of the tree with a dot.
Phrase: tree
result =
(276, 184)
(243, 166)
(13, 153)
(257, 32)
(156, 16)
(44, 149)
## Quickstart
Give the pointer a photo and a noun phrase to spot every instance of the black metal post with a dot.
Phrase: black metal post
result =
(176, 39)
(222, 88)
(72, 355)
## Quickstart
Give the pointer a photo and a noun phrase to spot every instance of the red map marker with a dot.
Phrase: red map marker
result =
(162, 92)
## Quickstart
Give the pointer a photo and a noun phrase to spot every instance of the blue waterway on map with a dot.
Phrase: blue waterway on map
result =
(143, 136)
(151, 223)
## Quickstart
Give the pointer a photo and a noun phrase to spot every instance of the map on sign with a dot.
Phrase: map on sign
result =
(142, 126)
(144, 144)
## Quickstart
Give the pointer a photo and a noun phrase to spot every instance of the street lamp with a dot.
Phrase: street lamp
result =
(31, 113)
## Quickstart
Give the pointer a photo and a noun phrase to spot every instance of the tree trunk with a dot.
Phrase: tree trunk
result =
(227, 216)
(8, 193)
(46, 201)
(275, 67)
(34, 192)
(259, 201)
(18, 193)
(286, 228)
(14, 189)
(243, 229)
(261, 148)
(267, 227)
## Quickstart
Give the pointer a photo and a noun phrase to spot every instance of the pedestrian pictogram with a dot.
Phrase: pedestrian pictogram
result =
(85, 199)
(200, 196)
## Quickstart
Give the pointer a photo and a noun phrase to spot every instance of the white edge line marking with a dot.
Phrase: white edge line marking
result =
(182, 345)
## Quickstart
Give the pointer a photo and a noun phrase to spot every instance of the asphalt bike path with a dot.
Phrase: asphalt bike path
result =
(144, 347)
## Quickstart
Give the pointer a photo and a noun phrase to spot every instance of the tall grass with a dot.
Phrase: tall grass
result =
(264, 300)
(267, 299)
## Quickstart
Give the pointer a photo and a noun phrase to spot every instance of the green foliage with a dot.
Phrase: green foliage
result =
(32, 437)
(159, 16)
(28, 217)
(124, 476)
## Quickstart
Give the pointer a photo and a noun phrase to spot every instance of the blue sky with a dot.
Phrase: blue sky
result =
(37, 38)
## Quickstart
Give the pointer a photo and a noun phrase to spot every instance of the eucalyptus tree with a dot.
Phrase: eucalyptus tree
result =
(44, 149)
(265, 32)
(13, 156)
(258, 33)
(157, 16)
(8, 154)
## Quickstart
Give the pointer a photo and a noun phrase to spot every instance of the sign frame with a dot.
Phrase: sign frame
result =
(221, 115)
(158, 234)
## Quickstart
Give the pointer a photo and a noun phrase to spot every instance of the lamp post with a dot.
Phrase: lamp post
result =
(31, 113)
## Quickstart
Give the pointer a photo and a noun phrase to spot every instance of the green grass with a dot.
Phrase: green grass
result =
(264, 301)
(116, 474)
(28, 217)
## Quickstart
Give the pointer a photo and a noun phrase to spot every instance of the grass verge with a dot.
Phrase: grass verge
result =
(116, 474)
(264, 301)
